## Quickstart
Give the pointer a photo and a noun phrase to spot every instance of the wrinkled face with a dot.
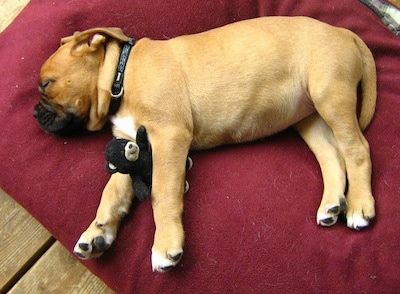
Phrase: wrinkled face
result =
(68, 87)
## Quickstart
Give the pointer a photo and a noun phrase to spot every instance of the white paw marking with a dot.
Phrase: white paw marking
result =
(357, 222)
(159, 263)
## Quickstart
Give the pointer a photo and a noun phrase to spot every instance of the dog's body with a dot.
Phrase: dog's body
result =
(233, 84)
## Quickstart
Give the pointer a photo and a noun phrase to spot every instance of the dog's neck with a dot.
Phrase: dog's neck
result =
(117, 89)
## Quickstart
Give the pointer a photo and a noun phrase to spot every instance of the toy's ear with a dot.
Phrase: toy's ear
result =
(110, 168)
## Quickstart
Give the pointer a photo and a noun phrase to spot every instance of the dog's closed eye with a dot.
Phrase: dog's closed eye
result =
(44, 85)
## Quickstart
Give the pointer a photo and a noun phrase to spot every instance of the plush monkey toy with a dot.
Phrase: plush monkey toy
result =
(127, 157)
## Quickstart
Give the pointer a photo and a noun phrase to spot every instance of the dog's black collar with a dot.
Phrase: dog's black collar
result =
(118, 89)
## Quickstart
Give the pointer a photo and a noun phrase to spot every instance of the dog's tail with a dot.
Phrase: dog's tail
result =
(368, 85)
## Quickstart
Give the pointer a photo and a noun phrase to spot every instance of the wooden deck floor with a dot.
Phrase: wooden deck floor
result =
(32, 261)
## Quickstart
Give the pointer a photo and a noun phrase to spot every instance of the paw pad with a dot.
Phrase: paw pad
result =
(84, 246)
(100, 245)
(328, 221)
(175, 258)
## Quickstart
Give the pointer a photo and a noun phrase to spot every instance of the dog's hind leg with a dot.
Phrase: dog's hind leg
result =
(114, 205)
(320, 139)
(337, 107)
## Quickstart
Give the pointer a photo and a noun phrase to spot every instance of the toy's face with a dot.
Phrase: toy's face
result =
(131, 151)
(121, 154)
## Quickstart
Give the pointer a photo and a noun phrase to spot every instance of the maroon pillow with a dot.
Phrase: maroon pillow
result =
(250, 212)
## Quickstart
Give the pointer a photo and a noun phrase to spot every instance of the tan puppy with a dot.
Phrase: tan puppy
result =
(233, 84)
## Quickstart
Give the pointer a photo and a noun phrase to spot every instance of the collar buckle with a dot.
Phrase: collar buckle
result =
(116, 96)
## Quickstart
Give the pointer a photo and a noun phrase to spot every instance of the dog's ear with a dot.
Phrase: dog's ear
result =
(91, 44)
(67, 39)
(90, 40)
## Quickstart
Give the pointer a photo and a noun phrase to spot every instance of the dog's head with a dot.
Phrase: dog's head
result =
(69, 82)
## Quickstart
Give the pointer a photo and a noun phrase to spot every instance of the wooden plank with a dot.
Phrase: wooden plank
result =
(9, 9)
(58, 272)
(22, 241)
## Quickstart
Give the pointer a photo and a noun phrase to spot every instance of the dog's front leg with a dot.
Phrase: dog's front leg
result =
(170, 148)
(114, 205)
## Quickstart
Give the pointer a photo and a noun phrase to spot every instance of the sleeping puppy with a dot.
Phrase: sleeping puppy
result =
(234, 84)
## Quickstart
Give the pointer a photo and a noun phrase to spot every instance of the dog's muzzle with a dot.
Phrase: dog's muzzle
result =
(53, 123)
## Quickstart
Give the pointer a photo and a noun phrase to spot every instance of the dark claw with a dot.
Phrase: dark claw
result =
(370, 219)
(339, 209)
(167, 268)
(186, 186)
(361, 228)
(84, 246)
(176, 257)
(79, 254)
(334, 210)
(328, 221)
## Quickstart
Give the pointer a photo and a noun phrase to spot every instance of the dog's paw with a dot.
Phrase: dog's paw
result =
(328, 213)
(94, 241)
(165, 262)
(167, 248)
(360, 213)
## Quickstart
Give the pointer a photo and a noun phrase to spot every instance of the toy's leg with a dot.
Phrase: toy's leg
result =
(114, 205)
(142, 191)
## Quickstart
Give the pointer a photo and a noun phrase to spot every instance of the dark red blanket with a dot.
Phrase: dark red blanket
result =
(250, 212)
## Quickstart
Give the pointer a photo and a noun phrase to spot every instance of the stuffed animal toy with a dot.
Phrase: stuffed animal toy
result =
(127, 157)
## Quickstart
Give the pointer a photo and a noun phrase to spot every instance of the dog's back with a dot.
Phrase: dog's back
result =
(266, 70)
